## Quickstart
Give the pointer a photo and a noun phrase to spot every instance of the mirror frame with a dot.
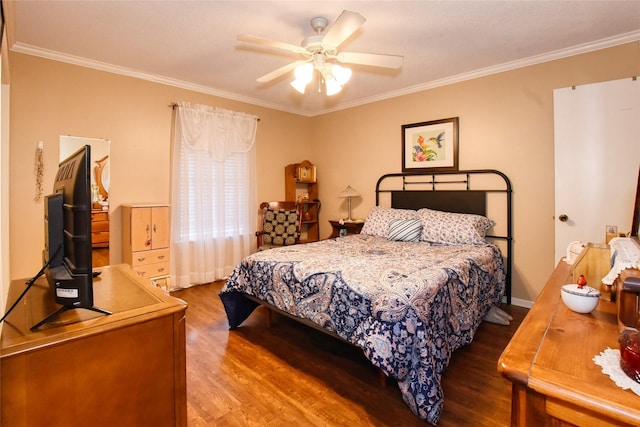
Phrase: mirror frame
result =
(98, 170)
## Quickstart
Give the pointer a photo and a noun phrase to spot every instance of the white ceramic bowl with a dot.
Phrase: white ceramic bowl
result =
(583, 300)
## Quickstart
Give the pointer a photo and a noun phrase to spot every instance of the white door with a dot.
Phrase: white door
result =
(597, 155)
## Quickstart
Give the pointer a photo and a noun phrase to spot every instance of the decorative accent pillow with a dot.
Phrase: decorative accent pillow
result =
(377, 222)
(280, 227)
(405, 230)
(453, 228)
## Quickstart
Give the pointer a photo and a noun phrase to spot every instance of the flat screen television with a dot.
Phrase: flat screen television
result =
(67, 255)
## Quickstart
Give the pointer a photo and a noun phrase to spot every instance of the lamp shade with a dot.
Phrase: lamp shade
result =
(349, 192)
(332, 86)
(304, 74)
(342, 74)
(299, 85)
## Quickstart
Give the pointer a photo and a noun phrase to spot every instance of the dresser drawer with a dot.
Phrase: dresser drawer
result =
(99, 216)
(149, 257)
(99, 237)
(152, 270)
(99, 226)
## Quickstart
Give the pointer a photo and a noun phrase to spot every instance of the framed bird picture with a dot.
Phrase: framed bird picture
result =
(430, 146)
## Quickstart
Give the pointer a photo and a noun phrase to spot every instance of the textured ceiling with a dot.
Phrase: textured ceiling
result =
(193, 44)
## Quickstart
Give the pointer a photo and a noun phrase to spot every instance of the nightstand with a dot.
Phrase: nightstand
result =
(351, 227)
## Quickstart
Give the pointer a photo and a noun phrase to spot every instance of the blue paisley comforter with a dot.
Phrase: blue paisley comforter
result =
(407, 305)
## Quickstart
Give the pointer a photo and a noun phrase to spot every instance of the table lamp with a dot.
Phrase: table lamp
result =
(349, 193)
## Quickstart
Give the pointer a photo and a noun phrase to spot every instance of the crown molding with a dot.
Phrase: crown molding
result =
(110, 68)
(508, 66)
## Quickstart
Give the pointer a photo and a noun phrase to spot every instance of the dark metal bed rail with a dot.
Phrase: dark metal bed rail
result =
(417, 190)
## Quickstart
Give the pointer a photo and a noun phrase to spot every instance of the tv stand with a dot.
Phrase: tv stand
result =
(85, 368)
(62, 310)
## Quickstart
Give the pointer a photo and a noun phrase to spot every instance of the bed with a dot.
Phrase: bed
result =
(431, 261)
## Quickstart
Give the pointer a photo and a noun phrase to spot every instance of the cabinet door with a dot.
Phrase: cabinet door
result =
(160, 227)
(141, 229)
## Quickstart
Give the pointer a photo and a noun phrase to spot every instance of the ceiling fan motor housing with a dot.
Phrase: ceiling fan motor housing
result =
(313, 43)
(319, 24)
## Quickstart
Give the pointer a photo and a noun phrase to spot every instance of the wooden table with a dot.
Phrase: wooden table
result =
(350, 227)
(86, 368)
(550, 363)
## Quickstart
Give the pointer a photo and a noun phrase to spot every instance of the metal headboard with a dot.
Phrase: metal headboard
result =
(465, 191)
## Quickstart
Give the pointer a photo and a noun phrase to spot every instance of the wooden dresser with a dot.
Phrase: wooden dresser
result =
(550, 363)
(99, 228)
(86, 368)
(145, 241)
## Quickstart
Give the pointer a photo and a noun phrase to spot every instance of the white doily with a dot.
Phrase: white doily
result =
(609, 360)
(624, 254)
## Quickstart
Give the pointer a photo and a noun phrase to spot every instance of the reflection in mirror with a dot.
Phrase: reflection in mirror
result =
(635, 222)
(99, 191)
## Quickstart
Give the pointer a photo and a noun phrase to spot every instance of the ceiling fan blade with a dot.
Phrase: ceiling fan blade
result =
(271, 43)
(346, 24)
(280, 71)
(373, 59)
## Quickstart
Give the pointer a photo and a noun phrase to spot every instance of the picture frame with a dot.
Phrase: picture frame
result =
(430, 146)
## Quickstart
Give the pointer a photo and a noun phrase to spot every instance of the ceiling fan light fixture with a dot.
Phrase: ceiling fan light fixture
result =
(341, 74)
(320, 49)
(304, 74)
(332, 86)
(298, 85)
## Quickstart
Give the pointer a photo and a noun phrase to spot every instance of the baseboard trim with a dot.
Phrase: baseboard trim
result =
(521, 302)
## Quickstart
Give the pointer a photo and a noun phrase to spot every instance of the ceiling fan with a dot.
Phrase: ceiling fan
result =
(320, 52)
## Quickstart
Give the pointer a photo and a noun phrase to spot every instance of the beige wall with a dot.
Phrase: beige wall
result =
(506, 123)
(50, 98)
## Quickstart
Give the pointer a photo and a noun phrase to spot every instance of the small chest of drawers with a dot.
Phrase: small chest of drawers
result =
(145, 242)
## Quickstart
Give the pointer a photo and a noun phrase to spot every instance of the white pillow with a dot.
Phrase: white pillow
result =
(377, 222)
(453, 228)
(405, 230)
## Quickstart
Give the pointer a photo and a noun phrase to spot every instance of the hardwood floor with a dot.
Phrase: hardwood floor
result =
(292, 375)
(100, 257)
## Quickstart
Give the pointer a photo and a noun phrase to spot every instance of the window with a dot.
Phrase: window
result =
(219, 205)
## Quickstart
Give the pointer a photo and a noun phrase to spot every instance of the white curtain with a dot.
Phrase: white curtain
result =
(213, 193)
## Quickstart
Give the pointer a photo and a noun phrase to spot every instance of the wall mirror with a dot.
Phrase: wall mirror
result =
(635, 222)
(99, 190)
